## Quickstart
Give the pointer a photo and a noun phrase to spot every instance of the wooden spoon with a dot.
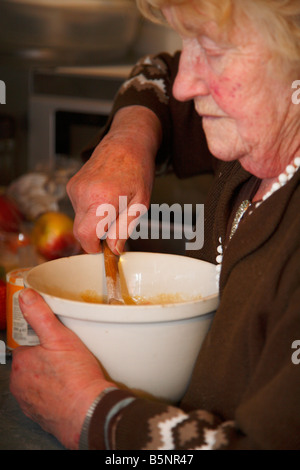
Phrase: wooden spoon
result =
(112, 275)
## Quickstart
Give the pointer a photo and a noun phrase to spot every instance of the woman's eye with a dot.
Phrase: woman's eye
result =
(210, 47)
(212, 52)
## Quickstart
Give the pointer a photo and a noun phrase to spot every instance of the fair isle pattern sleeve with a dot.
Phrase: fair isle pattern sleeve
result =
(150, 85)
(165, 427)
(150, 73)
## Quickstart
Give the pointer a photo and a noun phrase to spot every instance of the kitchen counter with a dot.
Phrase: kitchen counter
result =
(17, 432)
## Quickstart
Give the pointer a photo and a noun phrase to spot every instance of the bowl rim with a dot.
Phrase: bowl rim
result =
(108, 313)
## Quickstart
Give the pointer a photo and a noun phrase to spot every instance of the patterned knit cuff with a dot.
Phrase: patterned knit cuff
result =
(96, 429)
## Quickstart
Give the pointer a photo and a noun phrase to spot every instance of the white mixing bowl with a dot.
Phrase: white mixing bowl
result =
(151, 349)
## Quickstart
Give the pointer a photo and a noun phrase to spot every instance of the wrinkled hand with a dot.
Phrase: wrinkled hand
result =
(123, 164)
(55, 382)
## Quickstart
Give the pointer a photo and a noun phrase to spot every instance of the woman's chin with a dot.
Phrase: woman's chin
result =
(221, 152)
(222, 142)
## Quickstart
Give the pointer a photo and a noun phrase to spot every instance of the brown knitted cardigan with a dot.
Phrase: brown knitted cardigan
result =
(244, 393)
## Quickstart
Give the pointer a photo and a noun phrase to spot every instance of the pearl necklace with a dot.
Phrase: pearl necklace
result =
(282, 179)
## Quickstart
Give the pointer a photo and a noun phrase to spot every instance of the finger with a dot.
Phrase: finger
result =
(41, 318)
(126, 225)
(85, 231)
(95, 224)
(92, 224)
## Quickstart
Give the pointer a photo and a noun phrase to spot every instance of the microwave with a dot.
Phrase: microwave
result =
(67, 107)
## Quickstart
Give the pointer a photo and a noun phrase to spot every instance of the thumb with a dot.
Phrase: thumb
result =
(40, 317)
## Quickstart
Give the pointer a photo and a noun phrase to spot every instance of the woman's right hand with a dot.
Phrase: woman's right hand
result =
(123, 164)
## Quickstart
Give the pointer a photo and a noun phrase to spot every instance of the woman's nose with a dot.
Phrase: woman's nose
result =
(190, 80)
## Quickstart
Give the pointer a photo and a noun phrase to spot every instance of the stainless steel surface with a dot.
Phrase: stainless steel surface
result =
(68, 31)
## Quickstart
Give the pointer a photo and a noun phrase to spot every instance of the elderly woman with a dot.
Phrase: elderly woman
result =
(233, 79)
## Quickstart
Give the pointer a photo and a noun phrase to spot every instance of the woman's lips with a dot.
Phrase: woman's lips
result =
(211, 116)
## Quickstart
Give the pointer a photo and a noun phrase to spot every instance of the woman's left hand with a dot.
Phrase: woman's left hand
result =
(55, 382)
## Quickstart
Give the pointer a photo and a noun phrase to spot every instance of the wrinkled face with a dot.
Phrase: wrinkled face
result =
(246, 107)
